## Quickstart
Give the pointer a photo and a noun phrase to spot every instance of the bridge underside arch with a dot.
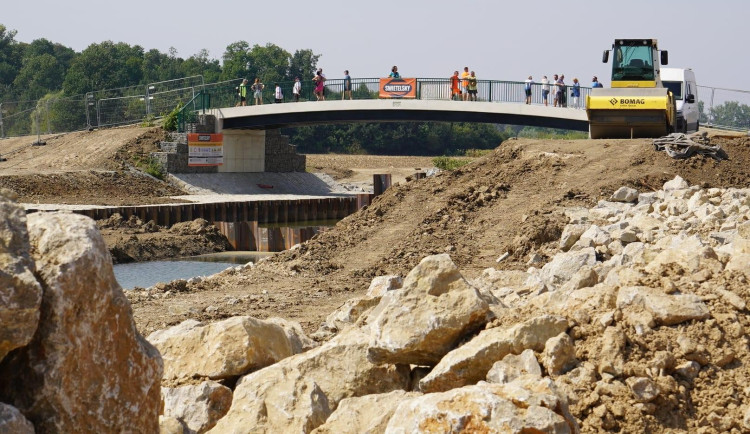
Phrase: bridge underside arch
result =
(287, 115)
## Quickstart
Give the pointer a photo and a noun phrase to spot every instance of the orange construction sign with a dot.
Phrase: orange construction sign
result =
(205, 149)
(398, 88)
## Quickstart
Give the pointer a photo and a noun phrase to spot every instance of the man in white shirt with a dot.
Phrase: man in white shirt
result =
(545, 90)
(297, 89)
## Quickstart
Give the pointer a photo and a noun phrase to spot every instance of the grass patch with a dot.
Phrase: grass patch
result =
(449, 163)
(476, 153)
(151, 166)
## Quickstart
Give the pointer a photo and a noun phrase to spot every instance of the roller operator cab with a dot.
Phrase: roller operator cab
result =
(681, 82)
(637, 104)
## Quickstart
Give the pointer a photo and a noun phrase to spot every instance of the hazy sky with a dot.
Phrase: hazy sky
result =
(499, 40)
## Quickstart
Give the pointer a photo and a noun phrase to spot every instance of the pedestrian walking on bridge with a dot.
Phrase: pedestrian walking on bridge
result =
(527, 89)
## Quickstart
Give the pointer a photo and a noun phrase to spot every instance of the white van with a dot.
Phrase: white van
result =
(682, 84)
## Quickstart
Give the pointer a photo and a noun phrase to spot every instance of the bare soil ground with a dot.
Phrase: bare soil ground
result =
(509, 201)
(85, 167)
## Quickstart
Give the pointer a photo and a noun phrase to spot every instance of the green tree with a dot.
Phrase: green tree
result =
(402, 138)
(270, 63)
(236, 61)
(731, 114)
(303, 64)
(158, 66)
(43, 69)
(201, 64)
(10, 61)
(105, 66)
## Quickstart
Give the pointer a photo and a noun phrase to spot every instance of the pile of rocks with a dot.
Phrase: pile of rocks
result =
(71, 359)
(635, 323)
(626, 327)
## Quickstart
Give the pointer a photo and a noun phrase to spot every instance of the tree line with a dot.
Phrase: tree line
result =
(29, 71)
(41, 71)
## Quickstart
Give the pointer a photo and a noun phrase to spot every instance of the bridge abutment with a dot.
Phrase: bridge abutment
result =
(245, 150)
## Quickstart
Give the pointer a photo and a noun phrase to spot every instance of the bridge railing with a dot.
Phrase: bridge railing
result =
(227, 93)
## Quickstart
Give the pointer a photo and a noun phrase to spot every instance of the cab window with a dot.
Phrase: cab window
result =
(675, 87)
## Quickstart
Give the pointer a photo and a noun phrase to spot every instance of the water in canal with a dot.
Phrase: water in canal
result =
(146, 274)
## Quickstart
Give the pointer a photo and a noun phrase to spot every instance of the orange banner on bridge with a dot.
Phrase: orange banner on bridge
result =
(398, 88)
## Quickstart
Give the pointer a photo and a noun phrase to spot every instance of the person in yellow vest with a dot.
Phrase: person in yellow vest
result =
(242, 92)
(472, 86)
(465, 83)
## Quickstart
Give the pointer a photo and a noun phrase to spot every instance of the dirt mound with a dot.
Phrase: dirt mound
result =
(511, 201)
(133, 240)
(86, 167)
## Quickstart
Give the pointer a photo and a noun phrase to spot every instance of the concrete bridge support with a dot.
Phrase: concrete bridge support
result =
(245, 150)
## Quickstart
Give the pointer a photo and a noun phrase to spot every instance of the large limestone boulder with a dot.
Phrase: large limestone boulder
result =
(564, 265)
(299, 393)
(170, 425)
(299, 341)
(625, 194)
(382, 284)
(513, 366)
(198, 407)
(87, 368)
(348, 313)
(470, 362)
(528, 404)
(666, 309)
(20, 293)
(559, 354)
(12, 421)
(421, 322)
(222, 349)
(364, 414)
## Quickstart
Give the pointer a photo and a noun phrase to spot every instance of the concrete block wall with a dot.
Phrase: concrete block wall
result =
(244, 151)
(280, 155)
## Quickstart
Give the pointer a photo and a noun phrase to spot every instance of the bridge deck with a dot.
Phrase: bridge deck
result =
(399, 110)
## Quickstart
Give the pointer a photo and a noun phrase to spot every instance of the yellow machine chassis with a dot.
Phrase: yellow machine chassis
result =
(630, 112)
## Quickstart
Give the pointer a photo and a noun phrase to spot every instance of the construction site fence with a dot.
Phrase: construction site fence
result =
(723, 108)
(103, 108)
(720, 107)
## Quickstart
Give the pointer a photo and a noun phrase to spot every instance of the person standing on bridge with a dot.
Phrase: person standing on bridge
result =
(563, 90)
(455, 87)
(472, 87)
(465, 83)
(347, 86)
(558, 91)
(576, 92)
(527, 89)
(297, 89)
(319, 83)
(257, 88)
(545, 90)
(394, 72)
(277, 94)
(242, 92)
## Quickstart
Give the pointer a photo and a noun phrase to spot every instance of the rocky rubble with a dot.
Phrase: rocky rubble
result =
(636, 323)
(76, 362)
(629, 326)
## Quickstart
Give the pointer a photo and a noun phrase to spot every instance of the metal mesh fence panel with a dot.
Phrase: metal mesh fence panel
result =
(724, 108)
(15, 118)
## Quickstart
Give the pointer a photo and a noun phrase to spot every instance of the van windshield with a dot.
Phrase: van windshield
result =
(675, 87)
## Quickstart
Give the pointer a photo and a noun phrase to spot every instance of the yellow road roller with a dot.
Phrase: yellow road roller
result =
(637, 104)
